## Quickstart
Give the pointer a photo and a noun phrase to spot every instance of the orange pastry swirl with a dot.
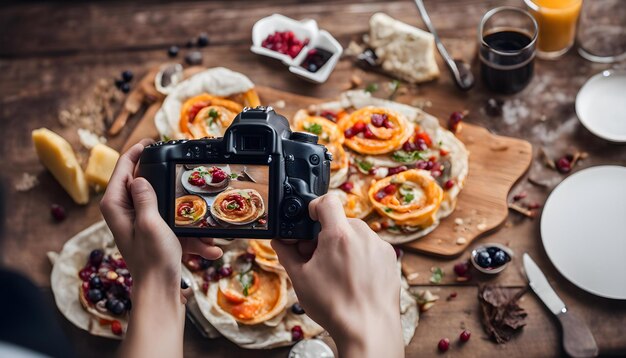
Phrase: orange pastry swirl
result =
(409, 198)
(329, 134)
(373, 130)
(189, 209)
(238, 207)
(196, 126)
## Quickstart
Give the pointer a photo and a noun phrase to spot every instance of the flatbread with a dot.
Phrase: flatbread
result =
(218, 81)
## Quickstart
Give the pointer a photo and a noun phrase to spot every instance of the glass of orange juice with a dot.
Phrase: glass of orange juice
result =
(557, 25)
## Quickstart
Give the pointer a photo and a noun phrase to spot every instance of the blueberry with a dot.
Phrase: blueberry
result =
(203, 40)
(127, 76)
(500, 258)
(297, 309)
(205, 264)
(95, 282)
(95, 257)
(492, 250)
(119, 82)
(172, 51)
(311, 67)
(125, 87)
(482, 259)
(127, 303)
(94, 295)
(115, 306)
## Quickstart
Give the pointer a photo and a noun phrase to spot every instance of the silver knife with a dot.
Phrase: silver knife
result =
(577, 338)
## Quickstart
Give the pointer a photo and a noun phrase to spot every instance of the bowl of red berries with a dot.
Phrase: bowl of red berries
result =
(309, 52)
(491, 258)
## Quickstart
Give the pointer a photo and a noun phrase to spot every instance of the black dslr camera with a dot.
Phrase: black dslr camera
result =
(255, 182)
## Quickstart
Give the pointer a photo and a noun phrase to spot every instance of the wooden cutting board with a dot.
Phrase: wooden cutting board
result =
(495, 164)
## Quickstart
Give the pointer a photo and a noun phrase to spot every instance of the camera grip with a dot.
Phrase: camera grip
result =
(154, 174)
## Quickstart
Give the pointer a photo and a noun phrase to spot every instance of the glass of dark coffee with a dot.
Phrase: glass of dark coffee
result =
(507, 39)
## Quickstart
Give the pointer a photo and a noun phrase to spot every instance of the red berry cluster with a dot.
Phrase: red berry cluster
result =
(444, 343)
(284, 42)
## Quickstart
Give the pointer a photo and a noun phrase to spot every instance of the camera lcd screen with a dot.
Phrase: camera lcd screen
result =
(221, 196)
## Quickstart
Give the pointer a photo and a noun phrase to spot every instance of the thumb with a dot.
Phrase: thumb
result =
(288, 256)
(144, 199)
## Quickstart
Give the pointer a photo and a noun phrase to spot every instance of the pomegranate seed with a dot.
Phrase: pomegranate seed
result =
(409, 147)
(378, 120)
(420, 144)
(387, 124)
(520, 196)
(429, 165)
(86, 273)
(421, 164)
(455, 120)
(396, 170)
(444, 344)
(564, 165)
(368, 133)
(225, 271)
(358, 127)
(443, 152)
(452, 295)
(465, 336)
(448, 184)
(347, 187)
(349, 133)
(116, 328)
(380, 195)
(461, 269)
(296, 333)
(390, 189)
(57, 212)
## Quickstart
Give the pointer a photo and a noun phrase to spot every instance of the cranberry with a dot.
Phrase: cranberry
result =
(454, 121)
(387, 124)
(422, 164)
(397, 170)
(448, 184)
(465, 336)
(205, 287)
(95, 257)
(57, 212)
(378, 120)
(452, 295)
(444, 344)
(86, 273)
(409, 147)
(116, 328)
(284, 42)
(349, 133)
(564, 165)
(225, 271)
(331, 116)
(390, 189)
(347, 187)
(420, 144)
(296, 333)
(359, 126)
(429, 165)
(368, 133)
(462, 268)
(196, 179)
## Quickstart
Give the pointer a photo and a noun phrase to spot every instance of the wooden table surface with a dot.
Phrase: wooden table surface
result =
(52, 54)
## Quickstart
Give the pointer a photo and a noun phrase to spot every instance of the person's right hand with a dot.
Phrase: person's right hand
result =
(350, 284)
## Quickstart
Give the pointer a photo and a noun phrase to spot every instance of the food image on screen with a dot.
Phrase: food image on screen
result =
(221, 196)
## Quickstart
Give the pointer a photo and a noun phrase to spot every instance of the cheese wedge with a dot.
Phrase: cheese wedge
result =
(403, 50)
(57, 155)
(100, 166)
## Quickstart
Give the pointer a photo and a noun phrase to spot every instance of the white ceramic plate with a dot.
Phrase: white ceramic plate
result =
(207, 189)
(601, 105)
(583, 228)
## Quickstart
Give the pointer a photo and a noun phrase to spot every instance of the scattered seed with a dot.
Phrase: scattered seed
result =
(481, 226)
(461, 241)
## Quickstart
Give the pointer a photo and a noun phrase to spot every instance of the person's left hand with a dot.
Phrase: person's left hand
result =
(149, 246)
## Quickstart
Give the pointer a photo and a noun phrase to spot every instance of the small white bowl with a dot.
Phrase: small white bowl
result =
(494, 270)
(304, 29)
(601, 105)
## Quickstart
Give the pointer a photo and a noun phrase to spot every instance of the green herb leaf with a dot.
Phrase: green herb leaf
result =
(371, 88)
(232, 206)
(314, 128)
(394, 86)
(409, 197)
(388, 210)
(407, 157)
(213, 113)
(365, 166)
(233, 176)
(437, 275)
(166, 138)
(246, 278)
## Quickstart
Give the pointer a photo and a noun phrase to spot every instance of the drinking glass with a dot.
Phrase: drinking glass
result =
(557, 25)
(602, 31)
